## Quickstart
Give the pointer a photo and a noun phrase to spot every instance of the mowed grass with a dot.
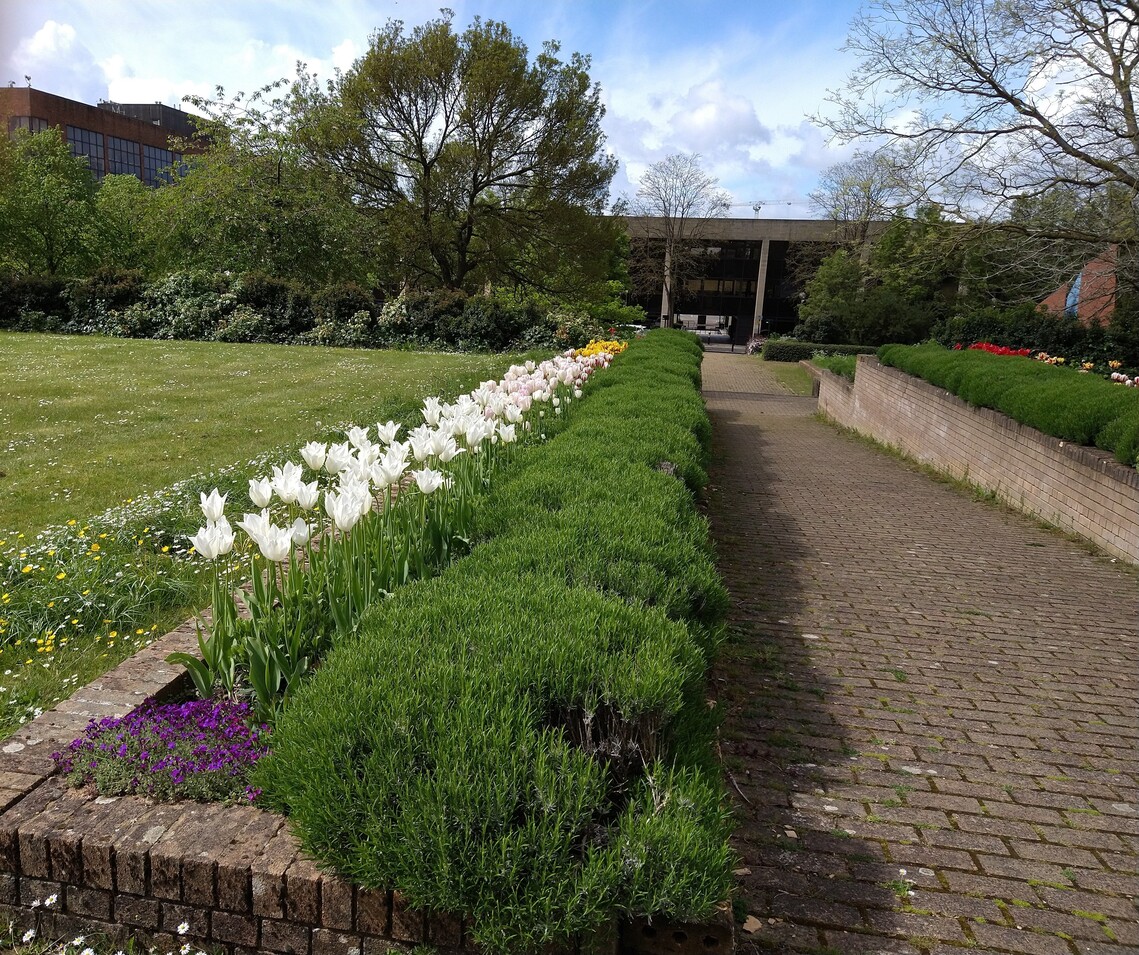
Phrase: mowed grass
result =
(89, 422)
(790, 375)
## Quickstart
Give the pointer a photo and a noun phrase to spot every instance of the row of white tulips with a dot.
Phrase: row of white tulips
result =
(392, 510)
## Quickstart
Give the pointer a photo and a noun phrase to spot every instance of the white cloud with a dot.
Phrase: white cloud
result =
(345, 54)
(54, 50)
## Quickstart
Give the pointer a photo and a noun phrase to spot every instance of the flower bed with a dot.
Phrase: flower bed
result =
(531, 721)
(593, 551)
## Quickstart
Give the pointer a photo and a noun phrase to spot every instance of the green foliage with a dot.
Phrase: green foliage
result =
(1027, 326)
(841, 365)
(47, 201)
(481, 164)
(791, 349)
(1062, 402)
(520, 738)
(890, 295)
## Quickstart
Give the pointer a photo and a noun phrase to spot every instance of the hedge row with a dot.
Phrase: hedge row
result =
(524, 738)
(254, 307)
(791, 349)
(1062, 402)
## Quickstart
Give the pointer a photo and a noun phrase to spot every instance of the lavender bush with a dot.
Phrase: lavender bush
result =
(199, 750)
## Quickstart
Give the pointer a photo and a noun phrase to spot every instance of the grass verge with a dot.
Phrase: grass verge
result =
(795, 379)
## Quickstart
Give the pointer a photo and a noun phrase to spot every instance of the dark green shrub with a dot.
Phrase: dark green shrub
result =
(285, 307)
(34, 304)
(791, 349)
(429, 314)
(338, 303)
(107, 290)
(1062, 402)
(487, 324)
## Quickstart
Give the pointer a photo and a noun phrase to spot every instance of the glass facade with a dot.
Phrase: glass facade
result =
(123, 157)
(33, 124)
(88, 144)
(156, 163)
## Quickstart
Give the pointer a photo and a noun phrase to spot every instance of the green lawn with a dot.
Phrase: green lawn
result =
(790, 375)
(89, 422)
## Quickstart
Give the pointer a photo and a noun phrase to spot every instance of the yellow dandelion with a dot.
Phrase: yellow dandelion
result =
(95, 547)
(26, 569)
(72, 522)
(140, 630)
(166, 549)
(60, 575)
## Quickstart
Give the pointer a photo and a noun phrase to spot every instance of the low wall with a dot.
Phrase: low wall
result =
(72, 862)
(1078, 489)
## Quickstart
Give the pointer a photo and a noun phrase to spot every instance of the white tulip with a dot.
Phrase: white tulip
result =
(307, 495)
(337, 458)
(256, 525)
(314, 453)
(387, 432)
(213, 504)
(260, 492)
(300, 532)
(343, 510)
(276, 543)
(431, 411)
(358, 437)
(427, 480)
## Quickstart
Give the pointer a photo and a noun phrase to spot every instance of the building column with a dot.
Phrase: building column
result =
(665, 317)
(760, 287)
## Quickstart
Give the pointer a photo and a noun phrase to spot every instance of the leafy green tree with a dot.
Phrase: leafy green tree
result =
(47, 201)
(482, 165)
(249, 201)
(894, 293)
(124, 234)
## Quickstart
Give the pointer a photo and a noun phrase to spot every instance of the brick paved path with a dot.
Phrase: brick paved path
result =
(930, 704)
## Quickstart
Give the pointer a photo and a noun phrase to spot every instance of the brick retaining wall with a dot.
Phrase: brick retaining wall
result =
(1078, 489)
(234, 875)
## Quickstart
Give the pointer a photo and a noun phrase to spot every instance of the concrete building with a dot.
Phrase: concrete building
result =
(745, 286)
(114, 138)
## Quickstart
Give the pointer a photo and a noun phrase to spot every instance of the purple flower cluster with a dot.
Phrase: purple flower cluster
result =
(202, 749)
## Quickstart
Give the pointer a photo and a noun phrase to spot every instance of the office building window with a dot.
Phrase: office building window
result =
(33, 124)
(123, 157)
(156, 165)
(88, 144)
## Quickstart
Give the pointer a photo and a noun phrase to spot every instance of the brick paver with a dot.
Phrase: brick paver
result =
(929, 706)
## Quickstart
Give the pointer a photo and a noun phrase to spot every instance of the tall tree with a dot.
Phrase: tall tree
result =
(999, 99)
(675, 201)
(866, 188)
(999, 103)
(246, 199)
(481, 164)
(46, 206)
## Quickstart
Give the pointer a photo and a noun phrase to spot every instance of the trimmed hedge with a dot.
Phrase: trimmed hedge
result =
(791, 349)
(1082, 408)
(524, 739)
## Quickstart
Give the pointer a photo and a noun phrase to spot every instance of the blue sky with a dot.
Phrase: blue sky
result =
(732, 80)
